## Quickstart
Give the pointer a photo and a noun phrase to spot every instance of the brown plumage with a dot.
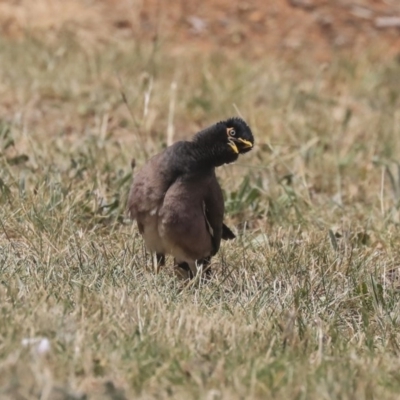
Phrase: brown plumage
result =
(177, 200)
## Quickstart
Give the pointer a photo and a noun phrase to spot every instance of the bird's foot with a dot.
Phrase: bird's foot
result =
(200, 268)
(183, 271)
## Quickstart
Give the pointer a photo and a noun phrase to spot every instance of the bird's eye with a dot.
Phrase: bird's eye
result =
(232, 132)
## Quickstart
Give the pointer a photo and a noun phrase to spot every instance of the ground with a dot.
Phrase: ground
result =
(304, 303)
(256, 27)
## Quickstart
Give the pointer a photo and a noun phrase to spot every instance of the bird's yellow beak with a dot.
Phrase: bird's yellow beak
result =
(233, 146)
(245, 143)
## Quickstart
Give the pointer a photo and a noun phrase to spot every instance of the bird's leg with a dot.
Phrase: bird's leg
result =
(158, 261)
(205, 265)
(161, 259)
(193, 268)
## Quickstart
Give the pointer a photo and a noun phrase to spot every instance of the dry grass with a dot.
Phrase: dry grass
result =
(303, 304)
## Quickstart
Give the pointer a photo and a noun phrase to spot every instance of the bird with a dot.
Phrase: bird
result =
(177, 201)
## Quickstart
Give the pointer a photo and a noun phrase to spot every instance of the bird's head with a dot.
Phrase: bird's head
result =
(239, 136)
(225, 140)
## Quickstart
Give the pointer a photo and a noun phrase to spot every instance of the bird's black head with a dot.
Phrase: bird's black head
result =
(240, 137)
(225, 140)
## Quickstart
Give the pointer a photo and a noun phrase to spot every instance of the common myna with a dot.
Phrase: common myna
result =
(177, 200)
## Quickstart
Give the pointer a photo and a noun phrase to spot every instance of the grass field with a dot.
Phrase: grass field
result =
(304, 304)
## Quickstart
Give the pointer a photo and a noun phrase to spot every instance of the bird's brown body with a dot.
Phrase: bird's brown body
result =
(178, 203)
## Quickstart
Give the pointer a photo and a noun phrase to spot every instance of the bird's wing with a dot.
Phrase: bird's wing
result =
(214, 212)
